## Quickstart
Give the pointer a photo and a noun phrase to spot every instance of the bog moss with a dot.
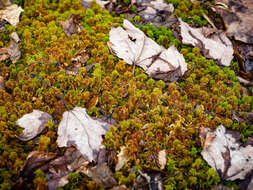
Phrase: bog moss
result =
(151, 115)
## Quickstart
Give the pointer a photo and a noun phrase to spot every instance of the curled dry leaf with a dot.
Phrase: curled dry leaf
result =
(36, 160)
(224, 152)
(162, 160)
(134, 47)
(102, 175)
(79, 129)
(122, 158)
(72, 25)
(11, 14)
(2, 86)
(55, 168)
(237, 16)
(12, 51)
(213, 43)
(33, 124)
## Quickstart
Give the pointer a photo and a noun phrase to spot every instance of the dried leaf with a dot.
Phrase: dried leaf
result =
(121, 187)
(33, 124)
(72, 25)
(237, 16)
(36, 160)
(2, 86)
(131, 45)
(213, 43)
(12, 51)
(93, 102)
(162, 160)
(79, 129)
(11, 14)
(102, 175)
(226, 154)
(4, 3)
(122, 158)
(4, 54)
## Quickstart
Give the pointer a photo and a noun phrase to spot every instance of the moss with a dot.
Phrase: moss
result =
(152, 115)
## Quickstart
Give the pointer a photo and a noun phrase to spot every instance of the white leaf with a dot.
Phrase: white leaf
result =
(11, 14)
(79, 129)
(122, 158)
(162, 160)
(134, 47)
(224, 152)
(33, 124)
(213, 43)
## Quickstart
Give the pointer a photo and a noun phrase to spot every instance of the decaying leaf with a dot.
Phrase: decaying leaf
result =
(162, 159)
(213, 43)
(134, 47)
(4, 3)
(102, 175)
(59, 168)
(55, 168)
(79, 129)
(93, 102)
(121, 187)
(36, 160)
(2, 86)
(122, 158)
(237, 16)
(11, 13)
(248, 119)
(33, 124)
(226, 154)
(78, 60)
(72, 25)
(12, 51)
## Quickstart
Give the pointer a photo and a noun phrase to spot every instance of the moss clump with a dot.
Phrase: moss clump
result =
(152, 115)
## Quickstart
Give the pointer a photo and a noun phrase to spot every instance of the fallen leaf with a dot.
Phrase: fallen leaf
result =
(12, 51)
(55, 168)
(93, 102)
(244, 81)
(121, 187)
(237, 16)
(11, 14)
(162, 160)
(59, 168)
(131, 45)
(2, 86)
(4, 3)
(79, 129)
(72, 25)
(102, 175)
(36, 160)
(226, 154)
(238, 117)
(33, 124)
(122, 158)
(213, 43)
(4, 54)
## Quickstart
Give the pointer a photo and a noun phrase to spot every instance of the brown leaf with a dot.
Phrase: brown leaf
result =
(36, 160)
(72, 25)
(4, 54)
(102, 175)
(2, 86)
(237, 16)
(93, 102)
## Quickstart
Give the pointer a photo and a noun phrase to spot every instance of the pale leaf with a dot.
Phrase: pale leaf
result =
(226, 154)
(79, 129)
(11, 14)
(33, 124)
(122, 158)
